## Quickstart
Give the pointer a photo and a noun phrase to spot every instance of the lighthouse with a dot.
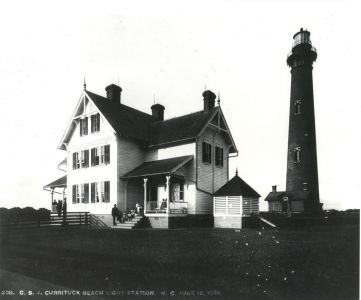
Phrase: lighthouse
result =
(302, 193)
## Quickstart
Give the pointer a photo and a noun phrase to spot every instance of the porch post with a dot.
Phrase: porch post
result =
(125, 194)
(145, 194)
(52, 199)
(167, 193)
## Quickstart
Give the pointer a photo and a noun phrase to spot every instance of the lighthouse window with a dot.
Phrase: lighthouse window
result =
(296, 154)
(297, 107)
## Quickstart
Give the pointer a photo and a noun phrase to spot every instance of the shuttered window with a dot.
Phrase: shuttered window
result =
(86, 193)
(83, 126)
(106, 191)
(74, 160)
(85, 158)
(74, 194)
(94, 157)
(107, 154)
(219, 156)
(95, 123)
(206, 152)
(92, 192)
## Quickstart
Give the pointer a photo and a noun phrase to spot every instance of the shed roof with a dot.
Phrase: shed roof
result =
(159, 167)
(236, 187)
(60, 182)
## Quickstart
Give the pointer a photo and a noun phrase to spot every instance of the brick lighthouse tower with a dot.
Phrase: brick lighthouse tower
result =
(302, 172)
(301, 193)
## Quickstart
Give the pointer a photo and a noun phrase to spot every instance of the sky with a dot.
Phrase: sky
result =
(171, 50)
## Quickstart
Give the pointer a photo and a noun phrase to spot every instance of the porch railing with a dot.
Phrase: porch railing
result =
(176, 207)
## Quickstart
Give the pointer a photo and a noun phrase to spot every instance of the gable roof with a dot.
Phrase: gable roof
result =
(236, 187)
(125, 120)
(145, 128)
(294, 195)
(159, 167)
(180, 128)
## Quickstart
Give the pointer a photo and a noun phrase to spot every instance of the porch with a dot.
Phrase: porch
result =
(162, 185)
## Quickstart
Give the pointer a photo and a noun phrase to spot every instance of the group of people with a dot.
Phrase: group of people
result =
(121, 216)
(61, 208)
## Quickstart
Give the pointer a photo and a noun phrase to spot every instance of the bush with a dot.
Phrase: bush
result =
(16, 214)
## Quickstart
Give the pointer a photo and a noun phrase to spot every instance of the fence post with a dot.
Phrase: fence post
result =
(86, 219)
(80, 217)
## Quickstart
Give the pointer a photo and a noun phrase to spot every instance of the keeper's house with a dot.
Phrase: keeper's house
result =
(119, 155)
(233, 202)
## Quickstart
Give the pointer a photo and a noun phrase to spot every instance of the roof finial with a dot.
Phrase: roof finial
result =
(236, 171)
(84, 84)
(219, 99)
(154, 98)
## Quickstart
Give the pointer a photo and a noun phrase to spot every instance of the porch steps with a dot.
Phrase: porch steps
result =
(129, 224)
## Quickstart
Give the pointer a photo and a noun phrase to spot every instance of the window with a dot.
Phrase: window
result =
(297, 107)
(95, 123)
(83, 126)
(77, 192)
(92, 192)
(85, 158)
(76, 161)
(296, 154)
(74, 194)
(219, 156)
(94, 157)
(105, 154)
(206, 152)
(105, 191)
(178, 192)
(85, 195)
(97, 192)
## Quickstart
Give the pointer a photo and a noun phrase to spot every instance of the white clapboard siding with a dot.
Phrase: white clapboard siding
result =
(250, 205)
(234, 205)
(227, 205)
(220, 205)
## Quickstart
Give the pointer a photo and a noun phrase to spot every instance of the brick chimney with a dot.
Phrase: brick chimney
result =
(209, 100)
(274, 188)
(113, 93)
(158, 111)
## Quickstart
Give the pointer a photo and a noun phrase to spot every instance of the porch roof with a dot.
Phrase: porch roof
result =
(158, 167)
(60, 182)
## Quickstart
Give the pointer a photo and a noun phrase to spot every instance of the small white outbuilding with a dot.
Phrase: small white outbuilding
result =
(233, 201)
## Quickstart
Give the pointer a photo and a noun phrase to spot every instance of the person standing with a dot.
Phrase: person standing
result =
(59, 207)
(115, 213)
(64, 212)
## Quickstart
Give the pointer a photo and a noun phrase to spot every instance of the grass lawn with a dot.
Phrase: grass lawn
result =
(314, 263)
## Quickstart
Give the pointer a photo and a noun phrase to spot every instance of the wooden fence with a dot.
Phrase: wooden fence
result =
(72, 219)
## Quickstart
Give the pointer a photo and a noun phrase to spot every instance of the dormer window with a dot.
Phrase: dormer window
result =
(297, 154)
(95, 123)
(83, 126)
(297, 106)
